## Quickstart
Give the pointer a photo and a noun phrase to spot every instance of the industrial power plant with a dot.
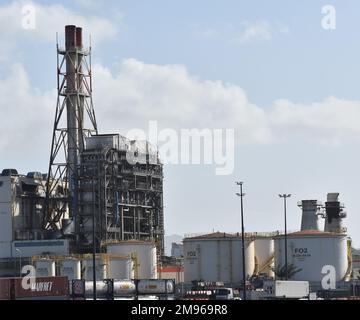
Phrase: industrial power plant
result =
(93, 224)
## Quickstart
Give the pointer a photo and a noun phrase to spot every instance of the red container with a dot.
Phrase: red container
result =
(43, 287)
(5, 289)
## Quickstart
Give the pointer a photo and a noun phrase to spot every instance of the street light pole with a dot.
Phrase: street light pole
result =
(19, 251)
(285, 196)
(241, 195)
(94, 243)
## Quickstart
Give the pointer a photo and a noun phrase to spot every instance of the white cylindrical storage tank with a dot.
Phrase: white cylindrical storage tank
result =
(101, 288)
(156, 287)
(264, 253)
(100, 267)
(70, 268)
(310, 251)
(145, 253)
(124, 288)
(217, 257)
(45, 268)
(120, 267)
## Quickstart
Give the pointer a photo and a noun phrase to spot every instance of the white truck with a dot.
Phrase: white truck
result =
(286, 289)
(224, 294)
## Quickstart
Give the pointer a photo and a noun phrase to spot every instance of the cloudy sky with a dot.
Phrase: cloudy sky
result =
(269, 70)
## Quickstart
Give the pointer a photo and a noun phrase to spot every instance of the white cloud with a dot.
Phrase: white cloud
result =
(206, 32)
(26, 114)
(259, 31)
(90, 4)
(332, 120)
(49, 19)
(140, 92)
(248, 32)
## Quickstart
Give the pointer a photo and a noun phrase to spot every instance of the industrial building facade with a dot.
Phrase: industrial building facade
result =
(122, 181)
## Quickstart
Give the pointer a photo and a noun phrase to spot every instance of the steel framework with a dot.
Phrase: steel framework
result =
(74, 87)
(127, 198)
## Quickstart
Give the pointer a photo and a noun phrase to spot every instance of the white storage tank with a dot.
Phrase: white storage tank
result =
(311, 250)
(156, 287)
(145, 253)
(45, 268)
(264, 253)
(101, 288)
(120, 267)
(124, 288)
(217, 257)
(70, 268)
(100, 267)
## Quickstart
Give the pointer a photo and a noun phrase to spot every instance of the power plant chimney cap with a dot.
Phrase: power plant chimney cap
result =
(70, 36)
(333, 197)
(73, 36)
(79, 42)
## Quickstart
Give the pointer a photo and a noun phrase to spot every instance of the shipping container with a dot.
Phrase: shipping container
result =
(4, 289)
(287, 289)
(124, 287)
(156, 286)
(43, 287)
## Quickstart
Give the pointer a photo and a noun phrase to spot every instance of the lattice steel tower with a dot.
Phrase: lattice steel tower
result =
(74, 120)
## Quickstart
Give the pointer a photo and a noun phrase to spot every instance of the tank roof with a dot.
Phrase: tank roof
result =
(225, 235)
(129, 242)
(313, 233)
(214, 235)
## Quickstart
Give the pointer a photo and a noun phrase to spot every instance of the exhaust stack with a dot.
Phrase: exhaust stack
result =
(334, 213)
(310, 214)
(74, 102)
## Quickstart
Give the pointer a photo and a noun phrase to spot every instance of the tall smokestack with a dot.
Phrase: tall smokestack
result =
(334, 213)
(310, 214)
(78, 34)
(70, 36)
(73, 75)
(81, 100)
(74, 106)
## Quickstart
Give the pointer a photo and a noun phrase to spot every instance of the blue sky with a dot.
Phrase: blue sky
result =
(274, 54)
(290, 65)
